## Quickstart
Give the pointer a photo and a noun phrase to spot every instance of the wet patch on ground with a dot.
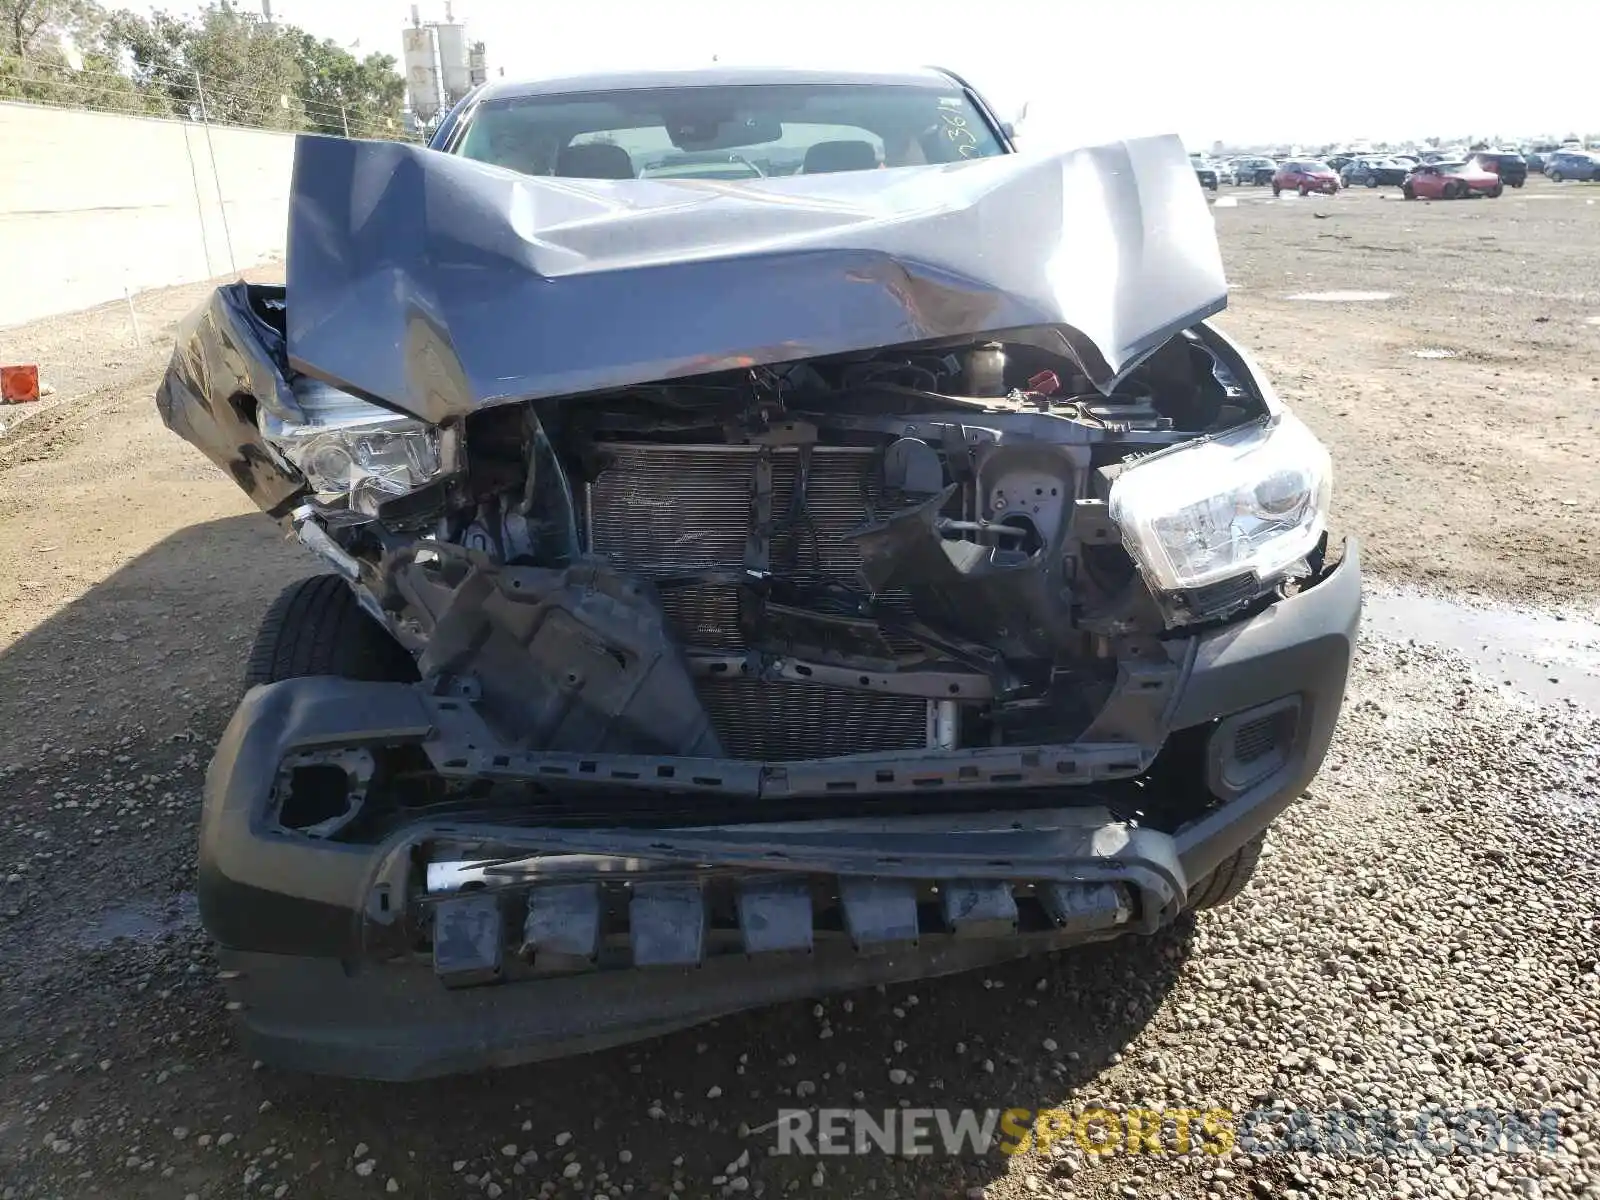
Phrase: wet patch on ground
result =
(1344, 297)
(1551, 657)
(141, 921)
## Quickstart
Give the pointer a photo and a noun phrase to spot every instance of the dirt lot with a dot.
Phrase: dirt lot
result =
(1475, 471)
(1423, 929)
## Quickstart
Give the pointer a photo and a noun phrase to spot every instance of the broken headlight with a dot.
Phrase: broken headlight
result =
(350, 449)
(1253, 500)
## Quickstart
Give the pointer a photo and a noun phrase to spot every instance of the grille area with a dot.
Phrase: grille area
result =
(782, 722)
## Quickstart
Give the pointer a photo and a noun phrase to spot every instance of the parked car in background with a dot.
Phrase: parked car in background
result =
(1205, 172)
(1370, 172)
(1572, 164)
(1305, 175)
(1337, 161)
(1450, 181)
(1225, 172)
(1254, 170)
(1409, 160)
(1510, 166)
(1535, 161)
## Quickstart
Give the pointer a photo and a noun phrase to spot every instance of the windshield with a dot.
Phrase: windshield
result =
(744, 131)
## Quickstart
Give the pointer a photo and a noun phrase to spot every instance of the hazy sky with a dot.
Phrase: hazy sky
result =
(1239, 70)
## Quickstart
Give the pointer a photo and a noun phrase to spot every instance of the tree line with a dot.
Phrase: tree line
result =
(242, 68)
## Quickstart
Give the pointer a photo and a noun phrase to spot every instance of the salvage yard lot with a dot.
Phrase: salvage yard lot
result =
(1422, 930)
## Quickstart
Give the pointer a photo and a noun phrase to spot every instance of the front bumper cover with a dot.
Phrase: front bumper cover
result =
(339, 959)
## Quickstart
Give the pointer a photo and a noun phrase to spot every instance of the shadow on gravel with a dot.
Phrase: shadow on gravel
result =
(153, 644)
(1024, 1035)
(107, 713)
(136, 676)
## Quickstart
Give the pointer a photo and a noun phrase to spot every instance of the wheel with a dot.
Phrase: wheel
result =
(1555, 176)
(1496, 192)
(1408, 191)
(1229, 879)
(1453, 190)
(1304, 190)
(1276, 190)
(1518, 182)
(316, 627)
(1372, 180)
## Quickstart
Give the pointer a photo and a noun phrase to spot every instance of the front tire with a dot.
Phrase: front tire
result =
(1230, 878)
(1276, 190)
(1372, 181)
(1304, 190)
(1496, 192)
(1409, 192)
(1453, 191)
(316, 627)
(1555, 176)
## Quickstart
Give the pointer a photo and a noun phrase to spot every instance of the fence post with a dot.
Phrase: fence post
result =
(222, 205)
(345, 117)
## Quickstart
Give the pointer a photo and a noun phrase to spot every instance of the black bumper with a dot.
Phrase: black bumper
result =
(326, 945)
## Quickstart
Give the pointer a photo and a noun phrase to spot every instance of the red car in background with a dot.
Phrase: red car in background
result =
(1451, 181)
(1305, 175)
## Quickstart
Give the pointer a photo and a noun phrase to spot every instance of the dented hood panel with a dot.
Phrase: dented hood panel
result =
(440, 285)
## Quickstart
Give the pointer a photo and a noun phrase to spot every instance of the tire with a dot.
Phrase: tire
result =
(316, 627)
(1518, 183)
(1453, 191)
(1555, 176)
(1372, 180)
(1229, 879)
(1496, 192)
(1276, 190)
(1304, 190)
(1408, 191)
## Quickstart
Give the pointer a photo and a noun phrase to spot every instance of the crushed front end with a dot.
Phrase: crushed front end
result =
(802, 672)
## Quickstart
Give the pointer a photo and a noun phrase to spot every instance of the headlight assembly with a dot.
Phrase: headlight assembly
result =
(357, 451)
(1251, 501)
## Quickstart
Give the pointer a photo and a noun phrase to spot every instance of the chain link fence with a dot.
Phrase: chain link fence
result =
(115, 184)
(188, 95)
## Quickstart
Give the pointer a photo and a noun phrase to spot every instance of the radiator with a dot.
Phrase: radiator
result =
(662, 510)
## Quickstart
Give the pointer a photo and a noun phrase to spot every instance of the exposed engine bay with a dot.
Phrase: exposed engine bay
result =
(878, 490)
(900, 549)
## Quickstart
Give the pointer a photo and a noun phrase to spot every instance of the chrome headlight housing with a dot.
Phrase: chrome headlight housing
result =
(356, 452)
(1250, 501)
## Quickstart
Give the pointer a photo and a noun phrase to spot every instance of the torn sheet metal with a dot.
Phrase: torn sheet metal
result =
(440, 285)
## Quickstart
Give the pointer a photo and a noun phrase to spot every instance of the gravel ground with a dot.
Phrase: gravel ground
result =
(1424, 929)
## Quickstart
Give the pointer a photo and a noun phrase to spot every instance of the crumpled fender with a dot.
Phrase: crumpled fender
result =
(228, 363)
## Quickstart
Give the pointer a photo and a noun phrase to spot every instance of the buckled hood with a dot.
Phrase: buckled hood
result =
(439, 285)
